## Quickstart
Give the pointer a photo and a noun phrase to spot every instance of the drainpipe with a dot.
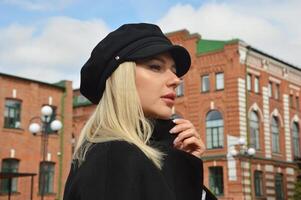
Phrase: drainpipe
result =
(61, 135)
(248, 139)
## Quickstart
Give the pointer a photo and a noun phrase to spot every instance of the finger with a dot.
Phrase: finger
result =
(180, 121)
(185, 134)
(193, 148)
(191, 142)
(178, 145)
(181, 127)
(193, 145)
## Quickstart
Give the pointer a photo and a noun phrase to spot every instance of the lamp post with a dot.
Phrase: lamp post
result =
(49, 125)
(240, 149)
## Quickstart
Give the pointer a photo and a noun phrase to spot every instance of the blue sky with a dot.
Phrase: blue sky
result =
(49, 40)
(113, 12)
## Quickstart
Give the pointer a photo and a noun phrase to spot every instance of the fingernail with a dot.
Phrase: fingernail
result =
(175, 141)
(174, 120)
(172, 130)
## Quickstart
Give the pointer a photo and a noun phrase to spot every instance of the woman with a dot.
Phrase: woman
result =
(125, 150)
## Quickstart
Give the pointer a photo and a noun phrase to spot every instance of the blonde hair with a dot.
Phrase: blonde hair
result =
(119, 116)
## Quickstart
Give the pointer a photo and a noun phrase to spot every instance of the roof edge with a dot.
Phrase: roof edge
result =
(59, 85)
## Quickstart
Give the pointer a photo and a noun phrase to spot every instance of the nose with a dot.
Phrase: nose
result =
(173, 80)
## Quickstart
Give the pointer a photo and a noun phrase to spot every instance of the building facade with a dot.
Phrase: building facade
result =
(21, 100)
(235, 91)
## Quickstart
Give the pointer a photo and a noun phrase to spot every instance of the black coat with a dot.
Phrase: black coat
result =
(117, 170)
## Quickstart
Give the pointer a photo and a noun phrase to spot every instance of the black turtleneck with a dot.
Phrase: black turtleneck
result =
(161, 133)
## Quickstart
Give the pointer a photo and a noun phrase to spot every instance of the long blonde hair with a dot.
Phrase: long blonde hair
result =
(119, 116)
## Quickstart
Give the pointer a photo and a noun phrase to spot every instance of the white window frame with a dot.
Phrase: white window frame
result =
(219, 81)
(203, 78)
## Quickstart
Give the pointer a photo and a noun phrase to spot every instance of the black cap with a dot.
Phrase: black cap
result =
(130, 42)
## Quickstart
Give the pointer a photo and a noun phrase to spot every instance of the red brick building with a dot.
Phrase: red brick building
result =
(235, 91)
(21, 99)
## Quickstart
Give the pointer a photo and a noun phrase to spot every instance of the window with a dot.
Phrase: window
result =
(180, 89)
(297, 103)
(9, 165)
(214, 130)
(291, 101)
(12, 113)
(46, 177)
(256, 84)
(254, 129)
(279, 187)
(205, 83)
(275, 135)
(258, 183)
(219, 81)
(249, 82)
(270, 89)
(216, 182)
(296, 139)
(277, 91)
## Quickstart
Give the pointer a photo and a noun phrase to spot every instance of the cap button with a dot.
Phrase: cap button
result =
(117, 57)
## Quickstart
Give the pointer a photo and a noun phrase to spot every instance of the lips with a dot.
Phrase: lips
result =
(169, 99)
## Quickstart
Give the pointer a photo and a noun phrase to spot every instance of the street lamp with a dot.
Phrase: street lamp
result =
(49, 125)
(242, 150)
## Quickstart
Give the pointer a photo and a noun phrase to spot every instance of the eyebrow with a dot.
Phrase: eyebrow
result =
(157, 58)
(162, 60)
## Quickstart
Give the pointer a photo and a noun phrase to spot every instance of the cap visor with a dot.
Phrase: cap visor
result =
(179, 54)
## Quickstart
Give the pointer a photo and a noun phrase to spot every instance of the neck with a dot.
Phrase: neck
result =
(161, 131)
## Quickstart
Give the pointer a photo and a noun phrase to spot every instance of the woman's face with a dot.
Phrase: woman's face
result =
(156, 82)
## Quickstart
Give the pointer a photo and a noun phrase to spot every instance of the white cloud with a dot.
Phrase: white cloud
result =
(271, 26)
(39, 4)
(55, 52)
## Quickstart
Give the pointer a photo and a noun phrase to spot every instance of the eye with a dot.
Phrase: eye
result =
(155, 67)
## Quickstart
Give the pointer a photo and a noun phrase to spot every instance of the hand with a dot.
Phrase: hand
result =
(188, 138)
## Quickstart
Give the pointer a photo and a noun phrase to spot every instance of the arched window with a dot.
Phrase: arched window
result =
(275, 135)
(214, 130)
(296, 139)
(254, 129)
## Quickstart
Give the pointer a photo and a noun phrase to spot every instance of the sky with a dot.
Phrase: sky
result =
(50, 40)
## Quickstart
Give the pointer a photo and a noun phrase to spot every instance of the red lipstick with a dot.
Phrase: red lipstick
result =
(169, 98)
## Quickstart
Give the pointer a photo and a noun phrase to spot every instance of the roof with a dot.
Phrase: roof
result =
(59, 85)
(206, 46)
(80, 100)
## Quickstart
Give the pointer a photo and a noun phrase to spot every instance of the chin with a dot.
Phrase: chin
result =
(158, 112)
(164, 114)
